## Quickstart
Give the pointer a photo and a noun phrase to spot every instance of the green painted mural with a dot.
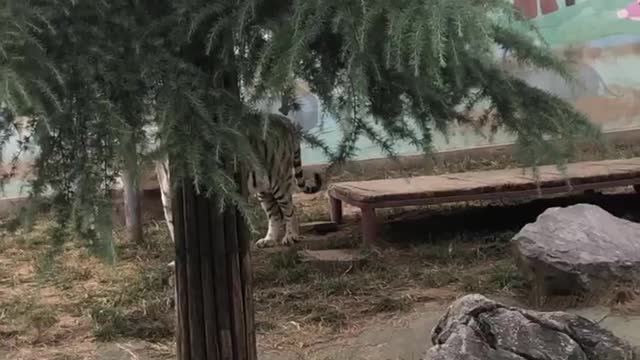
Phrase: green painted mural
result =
(601, 38)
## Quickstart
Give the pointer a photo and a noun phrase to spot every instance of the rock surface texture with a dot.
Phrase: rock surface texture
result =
(577, 249)
(476, 328)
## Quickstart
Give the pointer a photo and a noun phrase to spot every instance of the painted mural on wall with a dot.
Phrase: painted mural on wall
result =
(601, 40)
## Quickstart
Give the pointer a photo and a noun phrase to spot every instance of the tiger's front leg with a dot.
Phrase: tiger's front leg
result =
(274, 215)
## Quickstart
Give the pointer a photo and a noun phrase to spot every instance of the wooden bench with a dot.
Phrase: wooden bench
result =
(483, 185)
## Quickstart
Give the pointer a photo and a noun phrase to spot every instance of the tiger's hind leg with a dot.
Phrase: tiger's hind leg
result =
(162, 172)
(274, 214)
(291, 234)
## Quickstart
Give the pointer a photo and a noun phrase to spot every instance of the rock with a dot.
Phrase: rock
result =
(476, 328)
(577, 249)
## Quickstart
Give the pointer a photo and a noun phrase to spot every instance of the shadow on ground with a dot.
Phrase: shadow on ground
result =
(478, 218)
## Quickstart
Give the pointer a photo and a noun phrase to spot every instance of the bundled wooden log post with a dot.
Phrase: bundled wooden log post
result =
(213, 279)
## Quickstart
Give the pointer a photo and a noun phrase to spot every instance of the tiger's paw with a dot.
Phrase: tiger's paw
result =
(265, 243)
(290, 240)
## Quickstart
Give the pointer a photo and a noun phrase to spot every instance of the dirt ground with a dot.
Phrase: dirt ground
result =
(66, 303)
(406, 336)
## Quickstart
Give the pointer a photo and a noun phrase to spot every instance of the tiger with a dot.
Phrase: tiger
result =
(278, 156)
(278, 153)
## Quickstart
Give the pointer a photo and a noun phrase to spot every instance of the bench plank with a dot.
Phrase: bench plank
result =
(376, 191)
(478, 185)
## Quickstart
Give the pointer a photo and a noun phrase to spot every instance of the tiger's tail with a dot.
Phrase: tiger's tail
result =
(302, 183)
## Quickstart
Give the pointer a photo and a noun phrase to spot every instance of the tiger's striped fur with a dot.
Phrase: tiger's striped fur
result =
(273, 182)
(162, 173)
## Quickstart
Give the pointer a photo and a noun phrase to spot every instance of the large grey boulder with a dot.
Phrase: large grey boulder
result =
(577, 249)
(476, 328)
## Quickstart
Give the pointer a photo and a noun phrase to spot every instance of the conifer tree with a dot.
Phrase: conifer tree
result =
(93, 75)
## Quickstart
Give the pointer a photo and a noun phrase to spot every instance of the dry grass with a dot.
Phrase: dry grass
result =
(78, 301)
(75, 306)
(292, 295)
(74, 299)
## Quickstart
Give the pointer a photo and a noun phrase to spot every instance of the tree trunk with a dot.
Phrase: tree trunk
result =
(213, 280)
(213, 265)
(132, 200)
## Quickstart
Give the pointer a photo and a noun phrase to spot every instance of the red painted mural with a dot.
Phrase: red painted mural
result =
(530, 7)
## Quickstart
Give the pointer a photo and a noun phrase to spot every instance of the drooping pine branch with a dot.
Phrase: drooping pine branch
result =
(94, 75)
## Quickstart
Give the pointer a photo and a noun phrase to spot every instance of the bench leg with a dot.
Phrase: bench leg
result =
(369, 226)
(335, 210)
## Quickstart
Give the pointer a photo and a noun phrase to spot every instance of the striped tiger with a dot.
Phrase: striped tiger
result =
(273, 182)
